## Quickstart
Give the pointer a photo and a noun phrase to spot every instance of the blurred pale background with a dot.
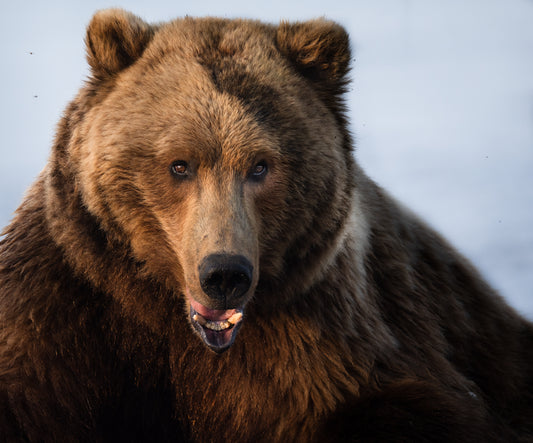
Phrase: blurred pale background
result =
(441, 107)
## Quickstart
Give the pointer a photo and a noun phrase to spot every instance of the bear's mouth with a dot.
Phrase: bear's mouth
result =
(217, 328)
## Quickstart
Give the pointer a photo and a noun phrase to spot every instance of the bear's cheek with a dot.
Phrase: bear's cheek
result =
(275, 221)
(174, 220)
(152, 218)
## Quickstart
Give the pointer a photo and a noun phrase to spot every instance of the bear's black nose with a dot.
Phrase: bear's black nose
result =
(225, 277)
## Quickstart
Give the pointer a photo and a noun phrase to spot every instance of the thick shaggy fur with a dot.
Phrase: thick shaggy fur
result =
(360, 323)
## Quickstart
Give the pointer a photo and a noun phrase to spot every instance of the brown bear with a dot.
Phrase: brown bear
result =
(202, 260)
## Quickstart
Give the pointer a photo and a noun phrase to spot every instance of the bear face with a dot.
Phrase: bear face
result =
(192, 153)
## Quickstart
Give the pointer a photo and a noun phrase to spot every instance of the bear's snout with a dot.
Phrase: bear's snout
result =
(225, 278)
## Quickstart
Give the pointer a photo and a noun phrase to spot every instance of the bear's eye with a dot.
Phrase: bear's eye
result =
(179, 168)
(259, 170)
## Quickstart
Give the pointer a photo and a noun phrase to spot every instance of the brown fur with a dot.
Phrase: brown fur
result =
(360, 323)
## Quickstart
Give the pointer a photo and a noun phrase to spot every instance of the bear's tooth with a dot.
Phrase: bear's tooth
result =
(217, 325)
(199, 319)
(235, 318)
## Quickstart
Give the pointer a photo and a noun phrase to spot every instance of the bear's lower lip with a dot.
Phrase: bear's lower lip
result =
(216, 328)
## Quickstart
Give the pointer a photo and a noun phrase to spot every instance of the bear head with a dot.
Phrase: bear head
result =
(217, 150)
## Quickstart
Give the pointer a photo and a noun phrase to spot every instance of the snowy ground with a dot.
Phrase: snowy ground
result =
(442, 107)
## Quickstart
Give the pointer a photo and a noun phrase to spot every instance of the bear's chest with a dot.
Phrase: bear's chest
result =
(247, 406)
(270, 391)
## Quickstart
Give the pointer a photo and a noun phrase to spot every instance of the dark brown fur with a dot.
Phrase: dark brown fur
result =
(361, 323)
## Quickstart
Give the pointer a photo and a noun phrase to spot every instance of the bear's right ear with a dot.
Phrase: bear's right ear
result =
(319, 50)
(115, 39)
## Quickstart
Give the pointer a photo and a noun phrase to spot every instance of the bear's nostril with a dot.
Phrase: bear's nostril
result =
(214, 279)
(239, 279)
(225, 277)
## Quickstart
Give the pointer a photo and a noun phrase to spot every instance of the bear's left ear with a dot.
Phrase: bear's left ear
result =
(319, 50)
(115, 39)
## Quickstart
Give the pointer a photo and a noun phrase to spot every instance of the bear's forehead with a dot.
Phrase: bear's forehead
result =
(189, 86)
(214, 37)
(211, 86)
(185, 113)
(237, 57)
